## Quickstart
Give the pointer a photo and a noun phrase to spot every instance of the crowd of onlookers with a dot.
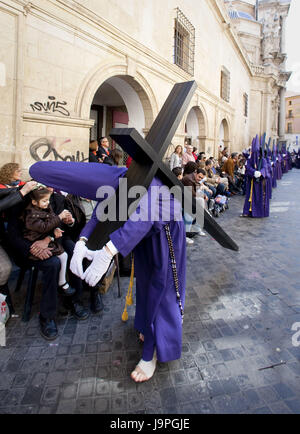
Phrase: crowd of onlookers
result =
(212, 180)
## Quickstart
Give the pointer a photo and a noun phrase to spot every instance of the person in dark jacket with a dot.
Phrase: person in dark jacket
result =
(40, 221)
(8, 198)
(103, 150)
(114, 158)
(93, 157)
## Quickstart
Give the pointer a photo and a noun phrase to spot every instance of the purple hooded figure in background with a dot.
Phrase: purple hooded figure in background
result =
(279, 162)
(274, 163)
(257, 197)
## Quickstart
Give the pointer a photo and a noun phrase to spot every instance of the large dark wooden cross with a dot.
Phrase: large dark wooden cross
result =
(147, 162)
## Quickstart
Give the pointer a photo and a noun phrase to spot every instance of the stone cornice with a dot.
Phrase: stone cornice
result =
(57, 120)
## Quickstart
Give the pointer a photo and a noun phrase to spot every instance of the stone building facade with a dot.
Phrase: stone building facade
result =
(70, 70)
(292, 118)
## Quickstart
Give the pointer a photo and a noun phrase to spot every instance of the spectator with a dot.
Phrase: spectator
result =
(195, 180)
(93, 158)
(189, 168)
(195, 153)
(20, 250)
(201, 157)
(76, 206)
(178, 173)
(10, 175)
(176, 157)
(229, 168)
(114, 158)
(40, 221)
(9, 197)
(103, 149)
(213, 181)
(188, 155)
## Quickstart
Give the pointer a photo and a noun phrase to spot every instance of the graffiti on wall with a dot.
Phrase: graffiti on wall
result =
(45, 148)
(51, 106)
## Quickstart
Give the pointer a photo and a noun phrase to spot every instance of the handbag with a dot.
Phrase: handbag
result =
(106, 281)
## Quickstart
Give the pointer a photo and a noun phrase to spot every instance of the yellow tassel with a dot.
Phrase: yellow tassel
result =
(129, 297)
(125, 316)
(251, 195)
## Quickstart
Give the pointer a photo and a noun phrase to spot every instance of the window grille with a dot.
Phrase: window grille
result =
(184, 43)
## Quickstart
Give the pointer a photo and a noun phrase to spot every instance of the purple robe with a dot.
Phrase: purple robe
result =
(157, 315)
(279, 168)
(257, 199)
(274, 177)
(297, 161)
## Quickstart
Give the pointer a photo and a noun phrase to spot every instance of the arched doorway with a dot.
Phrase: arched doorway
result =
(224, 135)
(195, 128)
(120, 102)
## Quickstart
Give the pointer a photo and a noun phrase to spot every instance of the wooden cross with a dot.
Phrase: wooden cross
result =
(147, 162)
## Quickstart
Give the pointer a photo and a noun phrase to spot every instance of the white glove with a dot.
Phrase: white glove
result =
(80, 252)
(101, 261)
(257, 174)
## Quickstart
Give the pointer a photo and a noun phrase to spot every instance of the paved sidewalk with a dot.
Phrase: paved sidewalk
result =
(240, 308)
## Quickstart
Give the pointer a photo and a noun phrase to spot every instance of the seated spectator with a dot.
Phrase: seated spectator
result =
(9, 197)
(195, 153)
(10, 175)
(21, 250)
(213, 181)
(114, 158)
(93, 158)
(199, 191)
(72, 229)
(188, 155)
(176, 158)
(39, 222)
(201, 157)
(178, 173)
(189, 168)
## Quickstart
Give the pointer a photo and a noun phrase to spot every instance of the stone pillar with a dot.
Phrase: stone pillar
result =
(283, 34)
(282, 114)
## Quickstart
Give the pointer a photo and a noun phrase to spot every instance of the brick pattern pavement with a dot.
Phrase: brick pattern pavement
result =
(239, 311)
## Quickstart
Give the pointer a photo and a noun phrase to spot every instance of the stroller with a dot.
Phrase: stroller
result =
(221, 204)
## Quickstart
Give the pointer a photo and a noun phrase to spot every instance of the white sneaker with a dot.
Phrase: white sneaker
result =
(189, 241)
(198, 231)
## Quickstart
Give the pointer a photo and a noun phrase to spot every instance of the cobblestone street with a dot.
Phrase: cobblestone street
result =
(238, 354)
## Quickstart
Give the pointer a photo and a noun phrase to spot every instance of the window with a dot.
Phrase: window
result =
(225, 84)
(290, 113)
(290, 128)
(290, 102)
(184, 43)
(245, 104)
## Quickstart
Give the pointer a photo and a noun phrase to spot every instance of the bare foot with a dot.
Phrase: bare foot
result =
(144, 370)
